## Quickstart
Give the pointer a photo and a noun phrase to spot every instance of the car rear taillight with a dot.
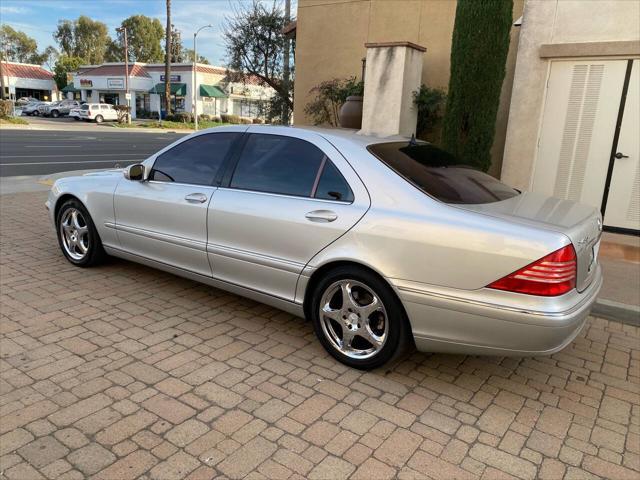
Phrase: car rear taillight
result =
(550, 276)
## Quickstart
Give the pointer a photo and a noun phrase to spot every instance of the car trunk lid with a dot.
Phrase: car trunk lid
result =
(581, 223)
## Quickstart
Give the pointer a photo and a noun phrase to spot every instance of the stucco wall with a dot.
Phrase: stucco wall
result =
(554, 22)
(331, 35)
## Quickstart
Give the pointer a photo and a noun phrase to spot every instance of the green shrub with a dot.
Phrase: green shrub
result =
(257, 121)
(479, 50)
(204, 117)
(329, 97)
(216, 118)
(122, 111)
(6, 108)
(228, 118)
(246, 121)
(430, 103)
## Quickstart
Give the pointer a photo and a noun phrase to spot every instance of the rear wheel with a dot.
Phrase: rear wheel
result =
(77, 235)
(358, 318)
(99, 119)
(55, 114)
(36, 113)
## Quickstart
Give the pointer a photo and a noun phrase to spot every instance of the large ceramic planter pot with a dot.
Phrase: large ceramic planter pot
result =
(350, 115)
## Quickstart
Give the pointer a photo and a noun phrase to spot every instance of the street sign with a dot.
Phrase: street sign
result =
(127, 96)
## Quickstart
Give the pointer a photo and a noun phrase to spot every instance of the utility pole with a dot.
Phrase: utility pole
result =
(287, 69)
(126, 71)
(167, 61)
(194, 94)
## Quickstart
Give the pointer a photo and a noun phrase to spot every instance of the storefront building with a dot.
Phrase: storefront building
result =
(214, 94)
(26, 80)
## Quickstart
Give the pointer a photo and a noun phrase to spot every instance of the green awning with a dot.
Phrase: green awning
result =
(70, 89)
(177, 89)
(212, 91)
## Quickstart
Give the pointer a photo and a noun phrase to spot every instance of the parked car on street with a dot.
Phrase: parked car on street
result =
(378, 241)
(30, 108)
(42, 108)
(98, 112)
(75, 112)
(62, 108)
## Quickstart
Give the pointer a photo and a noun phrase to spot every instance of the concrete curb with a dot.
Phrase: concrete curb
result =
(93, 128)
(619, 312)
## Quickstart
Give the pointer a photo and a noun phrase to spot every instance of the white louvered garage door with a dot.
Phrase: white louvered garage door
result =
(578, 124)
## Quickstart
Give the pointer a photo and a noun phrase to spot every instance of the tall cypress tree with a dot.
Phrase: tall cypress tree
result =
(478, 55)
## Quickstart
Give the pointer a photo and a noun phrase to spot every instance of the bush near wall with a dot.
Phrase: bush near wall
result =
(478, 56)
(430, 104)
(6, 108)
(227, 118)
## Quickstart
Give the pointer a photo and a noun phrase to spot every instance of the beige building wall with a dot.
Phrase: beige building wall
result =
(554, 30)
(331, 37)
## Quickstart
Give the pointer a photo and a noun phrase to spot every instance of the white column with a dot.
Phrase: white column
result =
(393, 72)
(133, 103)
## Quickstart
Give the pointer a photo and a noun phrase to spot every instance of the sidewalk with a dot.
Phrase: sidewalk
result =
(620, 295)
(88, 127)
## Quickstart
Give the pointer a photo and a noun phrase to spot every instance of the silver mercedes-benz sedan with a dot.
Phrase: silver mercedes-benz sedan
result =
(378, 241)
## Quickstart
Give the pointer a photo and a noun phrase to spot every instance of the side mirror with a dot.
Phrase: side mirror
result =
(134, 172)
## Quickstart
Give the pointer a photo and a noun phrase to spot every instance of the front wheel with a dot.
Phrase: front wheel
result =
(99, 119)
(77, 235)
(358, 318)
(55, 114)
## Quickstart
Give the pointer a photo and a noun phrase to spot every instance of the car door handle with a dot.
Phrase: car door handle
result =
(196, 198)
(321, 216)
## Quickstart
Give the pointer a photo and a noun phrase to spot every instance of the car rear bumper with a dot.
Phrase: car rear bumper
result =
(492, 322)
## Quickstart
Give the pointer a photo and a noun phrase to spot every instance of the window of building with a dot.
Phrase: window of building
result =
(195, 161)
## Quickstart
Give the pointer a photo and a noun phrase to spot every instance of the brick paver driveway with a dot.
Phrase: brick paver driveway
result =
(123, 371)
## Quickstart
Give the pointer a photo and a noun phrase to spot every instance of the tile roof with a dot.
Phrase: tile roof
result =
(23, 70)
(135, 70)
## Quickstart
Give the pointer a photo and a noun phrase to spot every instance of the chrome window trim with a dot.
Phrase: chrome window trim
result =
(284, 195)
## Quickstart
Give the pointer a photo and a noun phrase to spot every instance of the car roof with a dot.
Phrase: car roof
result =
(336, 134)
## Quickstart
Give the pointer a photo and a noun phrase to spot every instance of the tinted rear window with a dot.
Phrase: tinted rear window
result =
(440, 174)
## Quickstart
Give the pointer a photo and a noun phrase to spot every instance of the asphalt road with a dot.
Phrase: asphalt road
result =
(42, 152)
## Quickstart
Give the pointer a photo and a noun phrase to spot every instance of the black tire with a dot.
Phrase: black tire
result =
(76, 119)
(99, 119)
(36, 113)
(398, 330)
(55, 113)
(95, 254)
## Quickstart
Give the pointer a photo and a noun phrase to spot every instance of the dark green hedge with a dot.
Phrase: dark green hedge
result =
(478, 55)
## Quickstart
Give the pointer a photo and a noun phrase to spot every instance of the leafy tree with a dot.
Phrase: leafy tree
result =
(64, 66)
(18, 46)
(188, 57)
(84, 38)
(114, 51)
(330, 95)
(144, 37)
(255, 48)
(478, 55)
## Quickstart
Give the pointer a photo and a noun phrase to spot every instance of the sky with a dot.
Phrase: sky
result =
(39, 18)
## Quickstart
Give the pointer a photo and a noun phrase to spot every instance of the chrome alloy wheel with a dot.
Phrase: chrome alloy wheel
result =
(74, 233)
(353, 319)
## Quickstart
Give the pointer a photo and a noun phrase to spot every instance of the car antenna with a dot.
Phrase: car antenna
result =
(412, 141)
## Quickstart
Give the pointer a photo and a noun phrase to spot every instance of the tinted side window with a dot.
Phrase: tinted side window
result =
(277, 164)
(332, 185)
(194, 161)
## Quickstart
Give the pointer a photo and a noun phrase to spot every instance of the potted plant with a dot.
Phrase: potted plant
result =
(350, 115)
